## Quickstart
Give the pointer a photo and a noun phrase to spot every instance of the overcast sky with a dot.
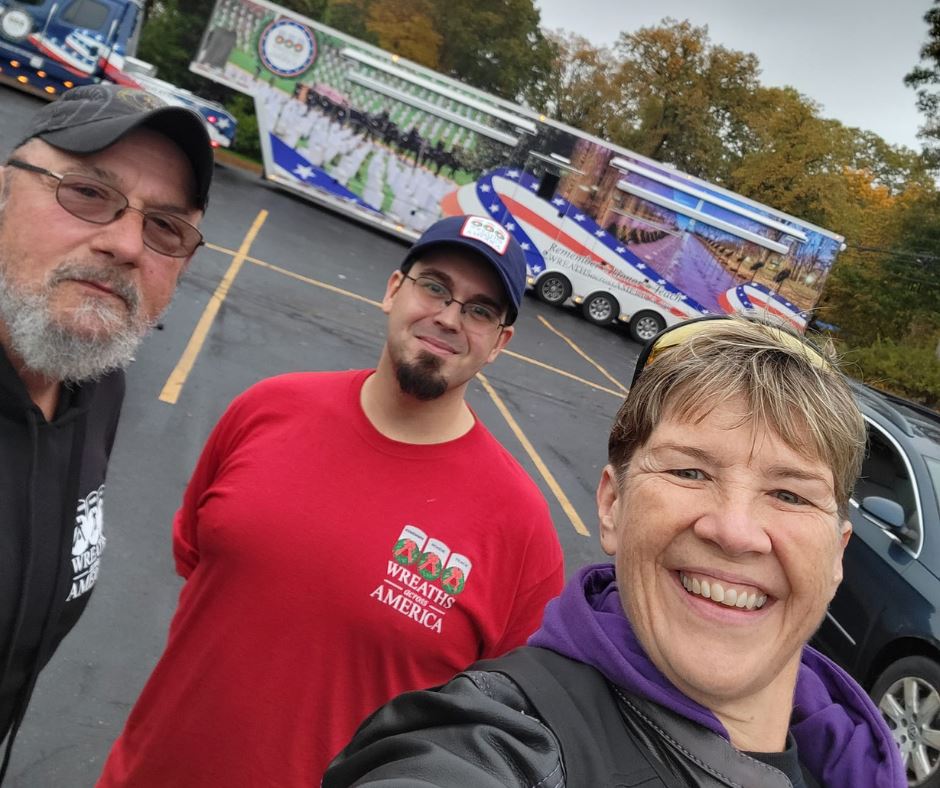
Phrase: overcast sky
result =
(848, 55)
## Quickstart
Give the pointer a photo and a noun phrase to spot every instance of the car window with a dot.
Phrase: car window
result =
(86, 13)
(885, 474)
(933, 467)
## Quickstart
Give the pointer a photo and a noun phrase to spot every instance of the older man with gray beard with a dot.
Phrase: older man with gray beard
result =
(98, 212)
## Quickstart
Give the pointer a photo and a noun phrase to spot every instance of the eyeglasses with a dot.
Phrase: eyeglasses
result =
(476, 316)
(682, 332)
(96, 202)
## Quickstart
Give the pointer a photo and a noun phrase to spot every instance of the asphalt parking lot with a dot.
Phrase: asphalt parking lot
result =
(281, 286)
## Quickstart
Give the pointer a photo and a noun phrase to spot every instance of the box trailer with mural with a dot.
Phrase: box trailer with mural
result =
(398, 145)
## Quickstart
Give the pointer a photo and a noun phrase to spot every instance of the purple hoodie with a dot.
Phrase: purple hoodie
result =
(840, 735)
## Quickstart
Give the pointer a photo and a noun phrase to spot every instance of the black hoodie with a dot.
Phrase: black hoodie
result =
(51, 494)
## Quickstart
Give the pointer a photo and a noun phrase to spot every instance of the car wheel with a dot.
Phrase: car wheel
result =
(553, 288)
(600, 308)
(908, 696)
(645, 325)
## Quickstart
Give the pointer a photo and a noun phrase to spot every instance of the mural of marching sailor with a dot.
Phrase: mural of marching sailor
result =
(398, 145)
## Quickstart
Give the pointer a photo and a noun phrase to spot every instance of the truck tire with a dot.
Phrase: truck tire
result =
(906, 686)
(645, 325)
(600, 309)
(553, 288)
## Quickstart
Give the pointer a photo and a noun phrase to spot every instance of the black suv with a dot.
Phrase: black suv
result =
(883, 625)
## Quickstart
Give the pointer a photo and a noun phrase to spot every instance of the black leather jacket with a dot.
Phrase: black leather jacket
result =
(481, 730)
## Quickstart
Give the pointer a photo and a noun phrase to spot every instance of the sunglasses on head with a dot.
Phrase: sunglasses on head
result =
(683, 332)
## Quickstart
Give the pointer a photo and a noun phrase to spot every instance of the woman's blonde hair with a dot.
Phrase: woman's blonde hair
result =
(788, 385)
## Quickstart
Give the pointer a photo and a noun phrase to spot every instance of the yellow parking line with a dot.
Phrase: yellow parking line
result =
(315, 282)
(174, 384)
(553, 485)
(563, 373)
(584, 355)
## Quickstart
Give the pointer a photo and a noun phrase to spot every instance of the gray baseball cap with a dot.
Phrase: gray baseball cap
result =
(90, 118)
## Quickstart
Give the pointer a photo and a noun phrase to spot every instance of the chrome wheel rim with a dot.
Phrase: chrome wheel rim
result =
(553, 289)
(600, 309)
(911, 707)
(647, 328)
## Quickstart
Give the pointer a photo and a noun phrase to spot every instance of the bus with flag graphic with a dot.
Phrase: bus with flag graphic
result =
(623, 237)
(49, 46)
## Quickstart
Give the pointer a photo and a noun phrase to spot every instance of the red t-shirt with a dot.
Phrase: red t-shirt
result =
(327, 570)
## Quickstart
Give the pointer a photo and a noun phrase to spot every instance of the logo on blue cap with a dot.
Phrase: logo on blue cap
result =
(487, 232)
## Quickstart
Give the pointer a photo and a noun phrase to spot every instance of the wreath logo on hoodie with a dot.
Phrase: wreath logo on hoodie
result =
(88, 543)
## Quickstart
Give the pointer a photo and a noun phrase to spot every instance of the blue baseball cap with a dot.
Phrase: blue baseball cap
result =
(487, 238)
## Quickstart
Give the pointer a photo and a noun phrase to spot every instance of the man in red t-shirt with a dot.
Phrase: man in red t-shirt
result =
(346, 537)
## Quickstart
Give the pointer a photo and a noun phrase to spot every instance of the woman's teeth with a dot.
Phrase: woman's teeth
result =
(723, 594)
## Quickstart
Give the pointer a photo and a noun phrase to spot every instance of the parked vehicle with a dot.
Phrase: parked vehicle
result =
(398, 145)
(220, 123)
(47, 46)
(882, 625)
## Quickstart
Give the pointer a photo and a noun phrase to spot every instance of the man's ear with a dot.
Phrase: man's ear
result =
(395, 282)
(502, 340)
(608, 508)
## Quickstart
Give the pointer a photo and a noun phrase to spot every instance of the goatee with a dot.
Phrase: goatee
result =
(421, 378)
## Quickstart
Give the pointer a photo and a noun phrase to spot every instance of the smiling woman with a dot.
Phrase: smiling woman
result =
(730, 465)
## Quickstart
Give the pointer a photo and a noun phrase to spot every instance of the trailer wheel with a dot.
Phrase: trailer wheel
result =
(645, 325)
(553, 288)
(600, 308)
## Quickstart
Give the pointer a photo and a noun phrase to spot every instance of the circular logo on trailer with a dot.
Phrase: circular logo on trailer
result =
(15, 24)
(287, 48)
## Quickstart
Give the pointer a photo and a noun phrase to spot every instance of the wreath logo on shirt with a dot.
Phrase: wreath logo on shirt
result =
(432, 559)
(453, 580)
(406, 552)
(431, 566)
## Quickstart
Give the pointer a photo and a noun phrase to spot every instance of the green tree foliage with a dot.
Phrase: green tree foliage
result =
(171, 37)
(580, 88)
(792, 157)
(925, 79)
(349, 16)
(688, 94)
(406, 27)
(910, 371)
(666, 92)
(495, 45)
